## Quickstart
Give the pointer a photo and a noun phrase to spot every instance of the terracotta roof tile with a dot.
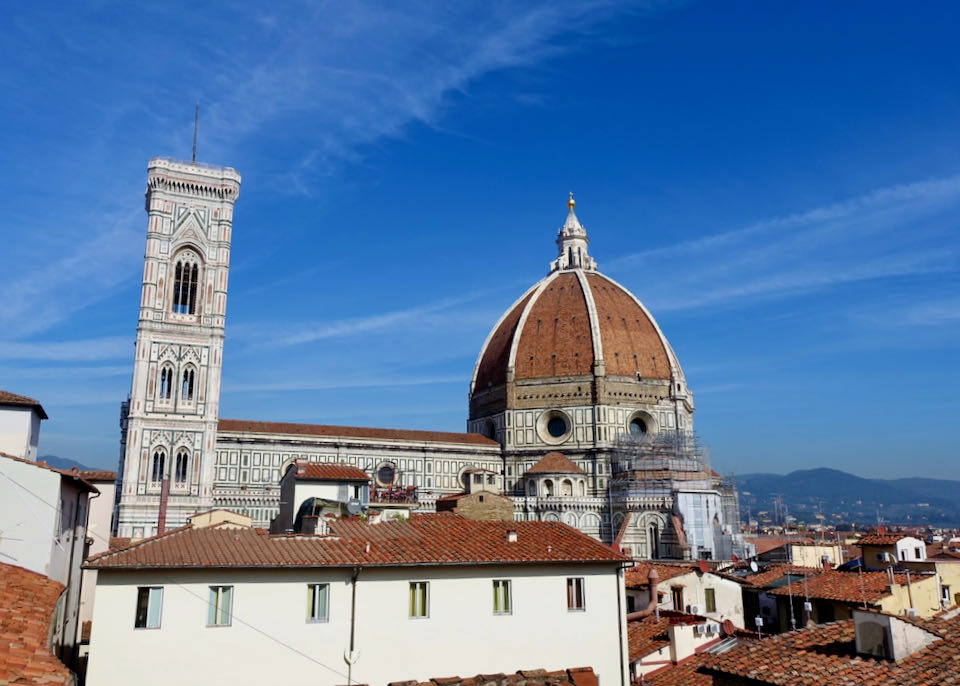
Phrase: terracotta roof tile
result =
(102, 475)
(423, 539)
(636, 576)
(849, 587)
(555, 463)
(765, 544)
(27, 602)
(492, 369)
(825, 654)
(774, 573)
(7, 398)
(556, 339)
(328, 471)
(245, 426)
(882, 539)
(575, 676)
(630, 341)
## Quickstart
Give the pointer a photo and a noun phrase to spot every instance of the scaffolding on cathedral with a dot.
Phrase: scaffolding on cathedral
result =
(648, 465)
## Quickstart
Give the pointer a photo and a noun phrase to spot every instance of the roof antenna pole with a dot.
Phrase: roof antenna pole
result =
(196, 120)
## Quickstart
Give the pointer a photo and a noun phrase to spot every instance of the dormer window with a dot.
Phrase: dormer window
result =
(186, 275)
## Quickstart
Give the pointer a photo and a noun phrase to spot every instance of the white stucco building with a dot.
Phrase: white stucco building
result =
(43, 519)
(372, 603)
(575, 366)
(20, 419)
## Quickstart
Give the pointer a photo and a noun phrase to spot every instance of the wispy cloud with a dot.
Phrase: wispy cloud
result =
(890, 232)
(421, 317)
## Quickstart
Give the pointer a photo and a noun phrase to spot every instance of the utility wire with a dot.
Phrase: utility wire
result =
(233, 617)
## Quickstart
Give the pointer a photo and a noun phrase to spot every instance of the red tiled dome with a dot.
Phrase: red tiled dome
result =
(566, 323)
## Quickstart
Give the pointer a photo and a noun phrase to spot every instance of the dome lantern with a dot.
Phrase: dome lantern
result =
(572, 244)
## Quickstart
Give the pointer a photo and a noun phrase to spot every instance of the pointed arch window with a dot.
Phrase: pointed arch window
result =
(156, 466)
(187, 385)
(166, 382)
(186, 276)
(181, 468)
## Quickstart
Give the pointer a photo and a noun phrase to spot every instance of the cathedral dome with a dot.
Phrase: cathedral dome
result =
(575, 322)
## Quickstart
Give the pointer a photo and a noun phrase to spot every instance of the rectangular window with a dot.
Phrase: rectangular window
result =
(916, 551)
(710, 598)
(419, 598)
(575, 599)
(318, 597)
(502, 602)
(676, 596)
(220, 606)
(149, 600)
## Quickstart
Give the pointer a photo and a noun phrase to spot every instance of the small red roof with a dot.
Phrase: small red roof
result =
(636, 576)
(101, 475)
(440, 539)
(328, 471)
(848, 587)
(555, 463)
(27, 603)
(882, 539)
(245, 426)
(7, 398)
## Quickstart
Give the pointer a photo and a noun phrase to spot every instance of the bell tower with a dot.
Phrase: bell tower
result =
(169, 422)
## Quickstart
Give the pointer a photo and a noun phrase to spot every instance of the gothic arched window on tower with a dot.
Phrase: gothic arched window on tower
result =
(186, 386)
(180, 473)
(157, 464)
(166, 382)
(186, 275)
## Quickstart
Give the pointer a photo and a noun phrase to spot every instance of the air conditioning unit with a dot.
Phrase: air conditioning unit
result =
(808, 606)
(700, 629)
(911, 612)
(693, 609)
(713, 628)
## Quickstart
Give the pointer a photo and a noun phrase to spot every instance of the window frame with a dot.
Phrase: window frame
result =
(215, 607)
(150, 601)
(507, 597)
(314, 618)
(576, 594)
(411, 604)
(710, 600)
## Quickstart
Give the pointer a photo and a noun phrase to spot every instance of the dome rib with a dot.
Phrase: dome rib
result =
(555, 339)
(494, 358)
(594, 317)
(634, 337)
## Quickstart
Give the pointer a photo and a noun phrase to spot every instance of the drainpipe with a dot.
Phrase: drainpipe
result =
(652, 579)
(620, 624)
(351, 655)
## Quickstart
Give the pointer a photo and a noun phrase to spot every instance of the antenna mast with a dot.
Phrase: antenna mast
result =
(196, 120)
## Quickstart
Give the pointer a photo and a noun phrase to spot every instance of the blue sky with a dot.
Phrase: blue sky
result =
(779, 183)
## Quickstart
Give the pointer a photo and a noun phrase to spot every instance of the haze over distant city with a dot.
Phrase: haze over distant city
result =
(778, 184)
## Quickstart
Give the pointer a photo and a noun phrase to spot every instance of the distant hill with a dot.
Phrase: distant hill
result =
(839, 497)
(61, 462)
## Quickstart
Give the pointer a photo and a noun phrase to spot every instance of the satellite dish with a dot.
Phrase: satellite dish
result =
(702, 566)
(753, 566)
(353, 506)
(728, 628)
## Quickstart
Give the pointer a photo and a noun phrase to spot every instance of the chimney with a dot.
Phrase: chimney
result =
(511, 535)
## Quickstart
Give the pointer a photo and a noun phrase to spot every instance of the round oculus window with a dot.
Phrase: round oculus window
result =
(386, 474)
(556, 426)
(637, 426)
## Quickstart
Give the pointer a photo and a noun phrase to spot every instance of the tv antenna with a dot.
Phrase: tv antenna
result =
(196, 120)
